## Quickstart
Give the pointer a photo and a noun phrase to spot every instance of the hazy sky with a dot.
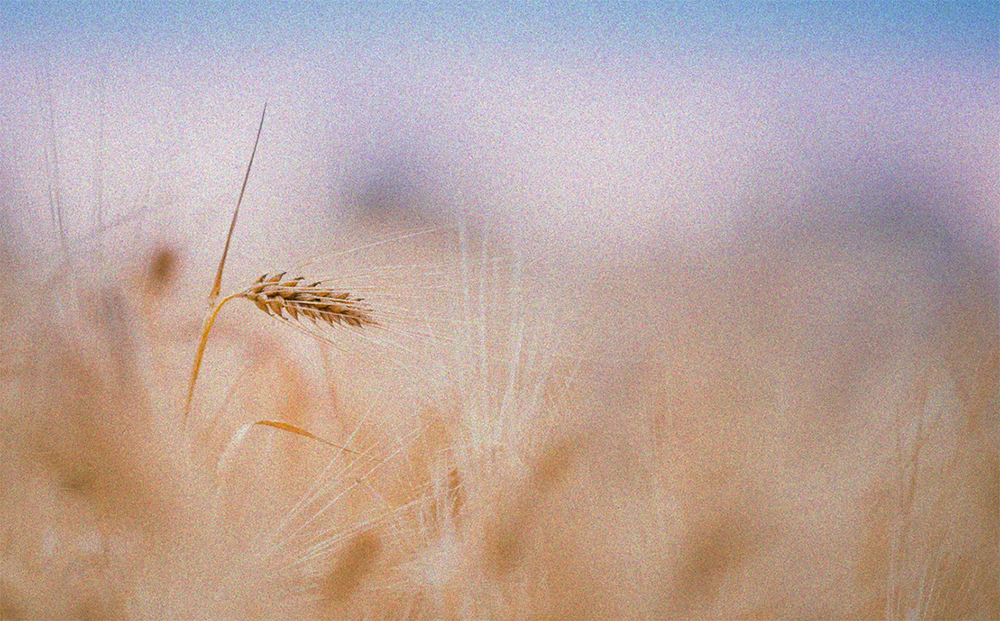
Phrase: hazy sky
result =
(590, 116)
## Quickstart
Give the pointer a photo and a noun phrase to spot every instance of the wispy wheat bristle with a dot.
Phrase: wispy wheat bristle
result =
(275, 296)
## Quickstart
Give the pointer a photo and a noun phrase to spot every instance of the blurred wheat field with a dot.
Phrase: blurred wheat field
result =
(661, 332)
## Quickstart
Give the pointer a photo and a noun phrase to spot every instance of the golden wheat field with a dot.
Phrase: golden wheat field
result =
(689, 313)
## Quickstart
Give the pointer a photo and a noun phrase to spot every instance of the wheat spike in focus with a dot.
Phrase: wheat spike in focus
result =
(275, 296)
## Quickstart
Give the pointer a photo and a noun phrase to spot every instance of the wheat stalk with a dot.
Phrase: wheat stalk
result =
(276, 296)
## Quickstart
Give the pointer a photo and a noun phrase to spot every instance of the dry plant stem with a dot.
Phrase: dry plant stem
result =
(209, 321)
(217, 285)
(275, 296)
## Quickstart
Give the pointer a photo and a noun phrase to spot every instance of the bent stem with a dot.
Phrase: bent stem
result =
(217, 284)
(206, 327)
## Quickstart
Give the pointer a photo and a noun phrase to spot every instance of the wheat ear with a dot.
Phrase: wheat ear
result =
(296, 297)
(275, 296)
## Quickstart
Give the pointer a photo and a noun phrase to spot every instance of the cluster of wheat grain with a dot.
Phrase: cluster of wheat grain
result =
(276, 296)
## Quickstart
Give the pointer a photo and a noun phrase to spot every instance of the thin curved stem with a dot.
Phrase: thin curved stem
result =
(209, 321)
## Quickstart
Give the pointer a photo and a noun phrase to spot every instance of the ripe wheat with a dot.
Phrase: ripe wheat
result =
(274, 296)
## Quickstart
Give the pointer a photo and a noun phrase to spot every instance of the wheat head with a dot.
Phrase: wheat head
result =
(275, 296)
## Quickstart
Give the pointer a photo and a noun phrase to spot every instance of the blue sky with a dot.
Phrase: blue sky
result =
(969, 30)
